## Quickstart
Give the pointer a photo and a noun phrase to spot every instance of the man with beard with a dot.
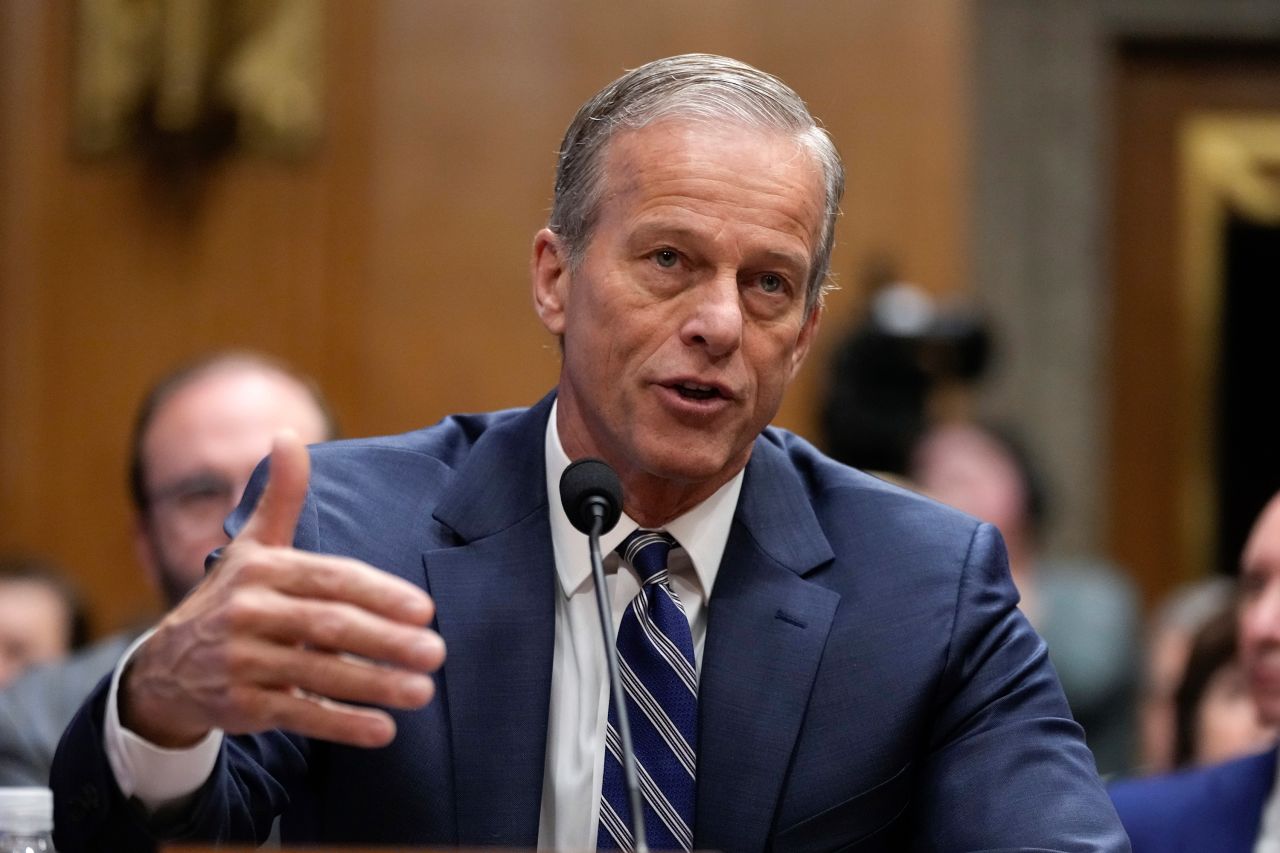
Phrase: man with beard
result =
(197, 437)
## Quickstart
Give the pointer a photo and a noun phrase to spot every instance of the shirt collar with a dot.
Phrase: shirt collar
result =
(703, 531)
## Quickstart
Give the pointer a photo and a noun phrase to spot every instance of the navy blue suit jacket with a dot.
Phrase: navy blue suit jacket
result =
(1214, 809)
(867, 682)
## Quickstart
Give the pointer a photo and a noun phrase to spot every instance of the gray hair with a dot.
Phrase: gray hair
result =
(697, 86)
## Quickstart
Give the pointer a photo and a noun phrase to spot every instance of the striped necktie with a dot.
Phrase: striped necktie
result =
(655, 650)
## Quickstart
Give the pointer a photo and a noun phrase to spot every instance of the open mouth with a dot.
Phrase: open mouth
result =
(693, 391)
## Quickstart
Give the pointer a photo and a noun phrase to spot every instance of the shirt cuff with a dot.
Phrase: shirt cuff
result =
(157, 777)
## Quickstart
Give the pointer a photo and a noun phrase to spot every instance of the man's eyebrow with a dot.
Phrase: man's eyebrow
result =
(189, 482)
(657, 231)
(791, 259)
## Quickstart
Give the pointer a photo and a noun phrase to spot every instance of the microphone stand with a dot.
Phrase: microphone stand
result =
(641, 843)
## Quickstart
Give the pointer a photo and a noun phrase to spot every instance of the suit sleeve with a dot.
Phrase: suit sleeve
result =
(21, 745)
(1007, 767)
(238, 803)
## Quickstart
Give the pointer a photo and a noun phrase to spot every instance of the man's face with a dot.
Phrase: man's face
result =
(198, 453)
(1260, 612)
(964, 467)
(34, 626)
(685, 320)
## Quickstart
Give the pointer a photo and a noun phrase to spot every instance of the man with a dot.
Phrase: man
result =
(1233, 806)
(197, 437)
(41, 616)
(858, 666)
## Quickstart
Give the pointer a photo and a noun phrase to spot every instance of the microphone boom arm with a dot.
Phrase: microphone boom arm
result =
(597, 509)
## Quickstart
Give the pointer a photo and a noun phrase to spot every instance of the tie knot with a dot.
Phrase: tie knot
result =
(647, 551)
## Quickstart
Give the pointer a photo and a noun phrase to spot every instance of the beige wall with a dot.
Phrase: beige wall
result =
(392, 263)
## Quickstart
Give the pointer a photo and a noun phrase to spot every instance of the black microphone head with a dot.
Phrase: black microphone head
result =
(589, 487)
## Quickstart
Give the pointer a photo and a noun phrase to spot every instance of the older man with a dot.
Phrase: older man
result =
(812, 659)
(198, 435)
(1233, 806)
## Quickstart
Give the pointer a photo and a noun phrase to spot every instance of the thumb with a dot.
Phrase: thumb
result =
(276, 515)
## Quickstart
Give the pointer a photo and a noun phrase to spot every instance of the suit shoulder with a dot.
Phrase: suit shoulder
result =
(445, 443)
(841, 494)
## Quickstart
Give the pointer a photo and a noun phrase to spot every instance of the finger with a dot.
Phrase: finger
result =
(317, 717)
(323, 576)
(336, 626)
(276, 516)
(334, 676)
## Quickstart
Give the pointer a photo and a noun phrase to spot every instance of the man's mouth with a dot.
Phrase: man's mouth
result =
(694, 391)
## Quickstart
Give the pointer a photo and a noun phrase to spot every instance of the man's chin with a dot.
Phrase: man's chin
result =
(685, 463)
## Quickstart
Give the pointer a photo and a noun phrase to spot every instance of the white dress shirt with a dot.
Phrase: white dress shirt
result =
(1269, 832)
(579, 704)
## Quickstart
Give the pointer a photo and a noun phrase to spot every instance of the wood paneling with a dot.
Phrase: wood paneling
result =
(392, 263)
(1159, 87)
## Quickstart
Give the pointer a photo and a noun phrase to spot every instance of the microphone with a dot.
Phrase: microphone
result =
(592, 497)
(589, 489)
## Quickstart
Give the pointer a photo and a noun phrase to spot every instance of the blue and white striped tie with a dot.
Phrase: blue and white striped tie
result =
(655, 650)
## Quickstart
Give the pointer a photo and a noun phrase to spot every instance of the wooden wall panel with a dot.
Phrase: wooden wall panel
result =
(1159, 86)
(392, 263)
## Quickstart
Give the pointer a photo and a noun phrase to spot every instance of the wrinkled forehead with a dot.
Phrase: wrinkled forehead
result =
(765, 174)
(666, 132)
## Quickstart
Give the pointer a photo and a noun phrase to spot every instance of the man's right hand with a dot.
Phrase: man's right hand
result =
(275, 637)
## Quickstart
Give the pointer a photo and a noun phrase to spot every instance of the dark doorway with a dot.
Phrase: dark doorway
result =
(1248, 443)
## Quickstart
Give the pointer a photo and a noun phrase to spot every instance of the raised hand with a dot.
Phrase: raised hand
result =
(280, 638)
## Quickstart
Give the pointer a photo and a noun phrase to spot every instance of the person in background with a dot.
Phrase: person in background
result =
(42, 616)
(1233, 807)
(1085, 610)
(197, 436)
(1216, 719)
(1176, 621)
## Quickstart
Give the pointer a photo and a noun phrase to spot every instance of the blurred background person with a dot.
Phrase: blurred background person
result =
(1170, 631)
(1231, 807)
(900, 403)
(1216, 718)
(42, 616)
(1086, 612)
(199, 433)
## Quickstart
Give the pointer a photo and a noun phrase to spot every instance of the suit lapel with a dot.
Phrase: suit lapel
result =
(494, 597)
(767, 627)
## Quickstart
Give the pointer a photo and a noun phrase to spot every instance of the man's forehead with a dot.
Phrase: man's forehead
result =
(1262, 550)
(676, 132)
(226, 405)
(771, 172)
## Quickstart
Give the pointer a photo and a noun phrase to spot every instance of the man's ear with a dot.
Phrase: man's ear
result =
(550, 272)
(804, 341)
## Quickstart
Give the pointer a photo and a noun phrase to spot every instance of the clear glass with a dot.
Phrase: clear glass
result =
(26, 842)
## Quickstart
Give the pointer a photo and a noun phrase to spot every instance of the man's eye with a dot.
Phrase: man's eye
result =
(666, 258)
(204, 494)
(771, 283)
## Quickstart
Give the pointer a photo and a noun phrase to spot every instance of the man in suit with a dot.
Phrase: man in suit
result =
(861, 675)
(198, 434)
(1231, 806)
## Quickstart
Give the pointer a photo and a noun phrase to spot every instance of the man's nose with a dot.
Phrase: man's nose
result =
(715, 321)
